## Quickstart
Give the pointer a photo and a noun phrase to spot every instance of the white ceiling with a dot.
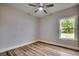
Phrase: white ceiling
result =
(30, 9)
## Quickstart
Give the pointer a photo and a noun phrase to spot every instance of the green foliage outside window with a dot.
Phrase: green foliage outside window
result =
(67, 26)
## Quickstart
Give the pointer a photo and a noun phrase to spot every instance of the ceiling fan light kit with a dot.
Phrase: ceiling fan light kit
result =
(40, 8)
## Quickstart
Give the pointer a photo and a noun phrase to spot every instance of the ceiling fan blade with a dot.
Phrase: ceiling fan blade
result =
(31, 5)
(36, 11)
(45, 11)
(50, 5)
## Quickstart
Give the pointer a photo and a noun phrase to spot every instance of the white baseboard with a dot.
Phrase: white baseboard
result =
(14, 47)
(54, 43)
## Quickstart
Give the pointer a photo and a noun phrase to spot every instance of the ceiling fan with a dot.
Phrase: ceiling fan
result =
(41, 7)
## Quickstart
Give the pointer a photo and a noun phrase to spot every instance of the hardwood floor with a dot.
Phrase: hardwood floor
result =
(41, 49)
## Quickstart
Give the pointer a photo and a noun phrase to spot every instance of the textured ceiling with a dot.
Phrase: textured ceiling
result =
(30, 9)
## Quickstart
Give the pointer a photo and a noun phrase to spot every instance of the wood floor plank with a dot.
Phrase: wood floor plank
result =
(41, 49)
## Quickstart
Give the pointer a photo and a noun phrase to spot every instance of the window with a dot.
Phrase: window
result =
(67, 28)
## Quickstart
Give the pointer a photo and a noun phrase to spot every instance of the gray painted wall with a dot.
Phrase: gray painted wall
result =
(16, 27)
(49, 30)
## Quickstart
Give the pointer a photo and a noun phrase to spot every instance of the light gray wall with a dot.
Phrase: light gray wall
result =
(49, 30)
(16, 27)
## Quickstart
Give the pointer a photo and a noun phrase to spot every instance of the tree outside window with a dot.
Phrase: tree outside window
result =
(67, 28)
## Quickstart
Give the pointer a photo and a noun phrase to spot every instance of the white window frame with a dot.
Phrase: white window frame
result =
(75, 28)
